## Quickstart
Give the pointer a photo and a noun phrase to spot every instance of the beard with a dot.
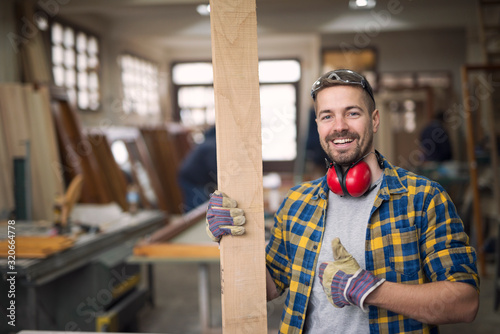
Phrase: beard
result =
(348, 157)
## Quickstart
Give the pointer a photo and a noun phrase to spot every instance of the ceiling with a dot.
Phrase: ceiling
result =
(165, 21)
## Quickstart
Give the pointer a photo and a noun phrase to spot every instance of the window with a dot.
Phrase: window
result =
(194, 94)
(75, 64)
(140, 85)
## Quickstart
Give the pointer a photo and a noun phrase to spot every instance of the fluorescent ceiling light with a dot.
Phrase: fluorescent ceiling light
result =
(203, 10)
(361, 4)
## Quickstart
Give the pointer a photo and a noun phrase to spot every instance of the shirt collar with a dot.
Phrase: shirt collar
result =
(391, 184)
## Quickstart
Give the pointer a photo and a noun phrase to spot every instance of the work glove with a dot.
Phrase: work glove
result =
(223, 217)
(344, 282)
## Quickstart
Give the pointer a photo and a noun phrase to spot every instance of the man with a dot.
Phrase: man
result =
(197, 175)
(434, 140)
(406, 265)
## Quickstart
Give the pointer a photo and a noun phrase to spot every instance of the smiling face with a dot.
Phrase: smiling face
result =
(345, 124)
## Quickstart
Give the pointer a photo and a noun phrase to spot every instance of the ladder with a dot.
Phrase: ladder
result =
(483, 132)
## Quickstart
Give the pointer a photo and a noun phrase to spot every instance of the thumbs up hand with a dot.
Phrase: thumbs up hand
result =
(344, 282)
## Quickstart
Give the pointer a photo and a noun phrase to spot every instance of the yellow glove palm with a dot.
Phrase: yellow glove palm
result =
(343, 280)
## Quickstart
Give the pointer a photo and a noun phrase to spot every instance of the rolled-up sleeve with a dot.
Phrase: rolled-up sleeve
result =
(445, 248)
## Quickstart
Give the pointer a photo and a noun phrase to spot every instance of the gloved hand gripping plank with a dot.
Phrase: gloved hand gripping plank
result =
(223, 217)
(239, 163)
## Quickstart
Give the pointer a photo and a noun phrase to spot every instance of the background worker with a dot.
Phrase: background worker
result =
(406, 265)
(434, 140)
(197, 175)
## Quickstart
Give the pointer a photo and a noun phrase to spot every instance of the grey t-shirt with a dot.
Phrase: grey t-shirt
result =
(346, 218)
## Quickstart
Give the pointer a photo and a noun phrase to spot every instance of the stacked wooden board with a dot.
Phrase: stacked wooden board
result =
(37, 246)
(181, 137)
(40, 124)
(165, 159)
(154, 154)
(27, 131)
(114, 178)
(77, 156)
(139, 166)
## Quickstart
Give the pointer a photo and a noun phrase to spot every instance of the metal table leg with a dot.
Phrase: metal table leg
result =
(151, 284)
(32, 307)
(204, 297)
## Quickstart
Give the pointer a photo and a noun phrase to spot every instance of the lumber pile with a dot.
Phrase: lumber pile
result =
(41, 126)
(153, 159)
(154, 154)
(37, 246)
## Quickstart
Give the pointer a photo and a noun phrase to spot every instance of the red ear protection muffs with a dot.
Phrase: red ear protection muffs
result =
(354, 182)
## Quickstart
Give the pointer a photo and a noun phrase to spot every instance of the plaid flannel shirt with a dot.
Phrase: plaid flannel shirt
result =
(414, 236)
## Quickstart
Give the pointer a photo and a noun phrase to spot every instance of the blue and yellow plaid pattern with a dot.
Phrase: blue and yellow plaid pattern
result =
(414, 236)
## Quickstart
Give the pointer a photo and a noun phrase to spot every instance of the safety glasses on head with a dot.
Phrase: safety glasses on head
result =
(346, 77)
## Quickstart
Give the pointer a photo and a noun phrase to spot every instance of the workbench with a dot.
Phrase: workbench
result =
(35, 276)
(191, 246)
(187, 244)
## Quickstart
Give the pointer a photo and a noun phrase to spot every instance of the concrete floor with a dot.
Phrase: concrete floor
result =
(176, 310)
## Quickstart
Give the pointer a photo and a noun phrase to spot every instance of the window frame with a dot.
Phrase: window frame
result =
(269, 165)
(76, 29)
(133, 55)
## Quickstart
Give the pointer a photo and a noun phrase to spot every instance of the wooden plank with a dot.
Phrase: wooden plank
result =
(239, 161)
(76, 151)
(70, 165)
(474, 180)
(14, 119)
(142, 164)
(113, 176)
(15, 131)
(165, 163)
(47, 183)
(180, 224)
(37, 246)
(175, 251)
(182, 139)
(42, 97)
(6, 166)
(41, 205)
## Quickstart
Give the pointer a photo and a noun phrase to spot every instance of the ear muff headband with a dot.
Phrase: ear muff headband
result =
(355, 181)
